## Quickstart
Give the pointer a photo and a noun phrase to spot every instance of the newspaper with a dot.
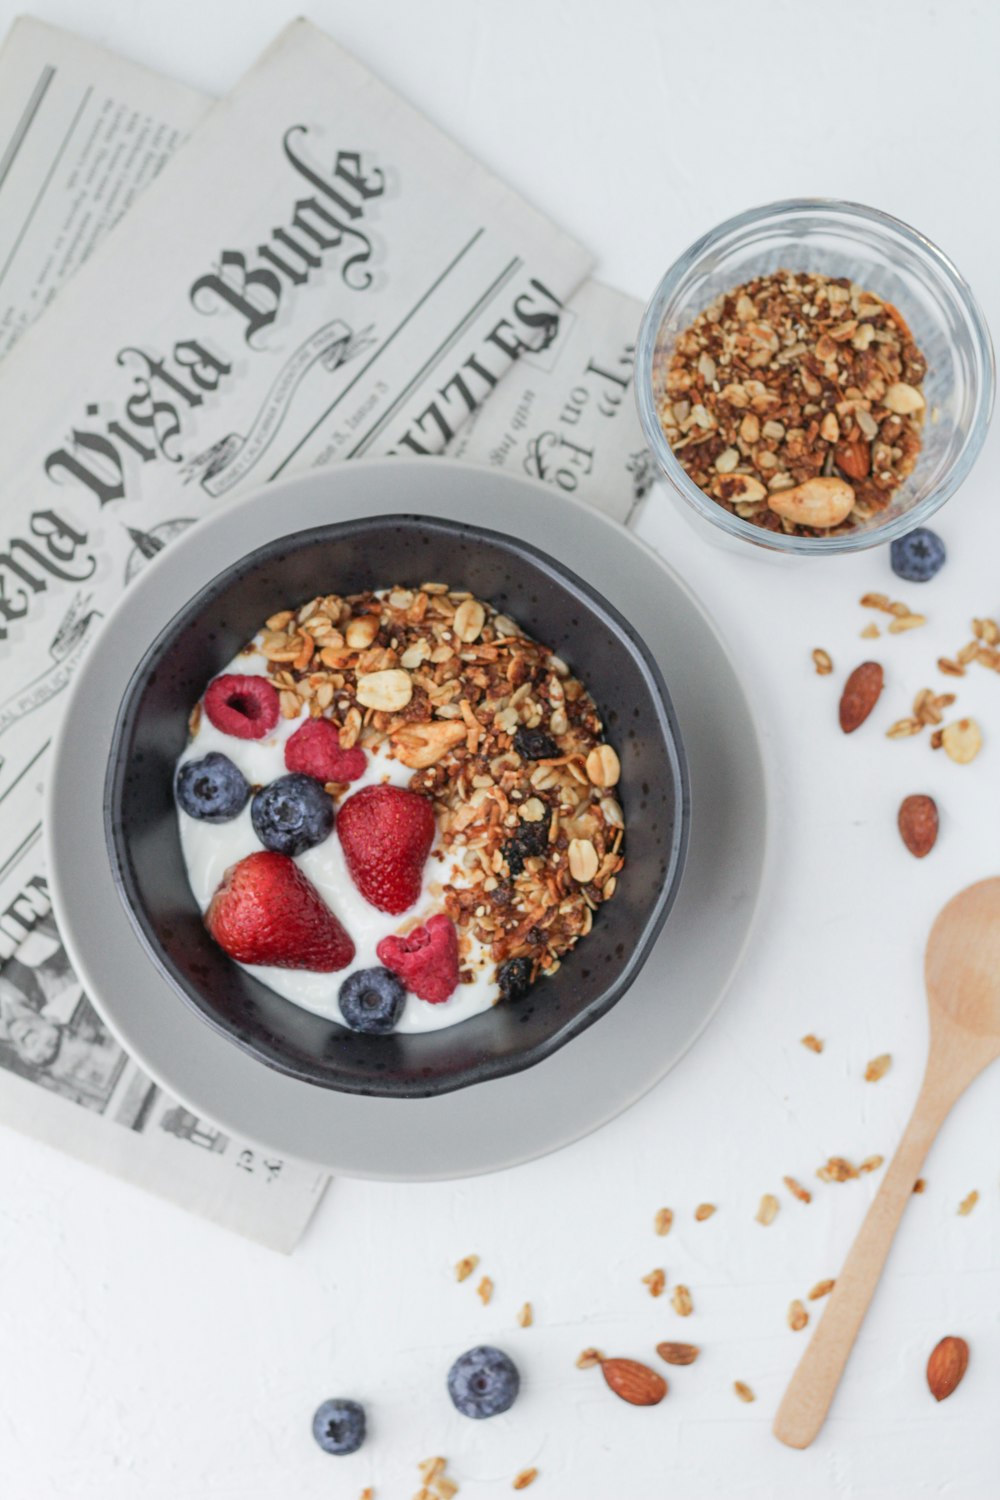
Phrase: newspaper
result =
(402, 287)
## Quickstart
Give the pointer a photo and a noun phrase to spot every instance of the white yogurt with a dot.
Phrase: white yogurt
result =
(210, 848)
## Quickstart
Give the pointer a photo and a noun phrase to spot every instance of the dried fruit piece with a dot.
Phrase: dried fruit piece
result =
(465, 1267)
(663, 1220)
(948, 1363)
(860, 695)
(823, 663)
(797, 1190)
(968, 1203)
(704, 1211)
(635, 1383)
(767, 1209)
(681, 1299)
(878, 1067)
(656, 1281)
(743, 1391)
(822, 1289)
(962, 740)
(678, 1354)
(797, 1317)
(812, 1042)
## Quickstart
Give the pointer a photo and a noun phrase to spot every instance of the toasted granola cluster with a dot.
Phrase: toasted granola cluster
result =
(496, 730)
(788, 379)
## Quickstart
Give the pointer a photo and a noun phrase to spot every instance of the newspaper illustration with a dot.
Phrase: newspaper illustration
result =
(403, 288)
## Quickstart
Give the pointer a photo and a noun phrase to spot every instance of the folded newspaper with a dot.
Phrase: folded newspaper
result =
(319, 274)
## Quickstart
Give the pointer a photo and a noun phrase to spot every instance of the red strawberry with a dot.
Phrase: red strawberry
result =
(266, 912)
(246, 707)
(426, 959)
(315, 750)
(386, 833)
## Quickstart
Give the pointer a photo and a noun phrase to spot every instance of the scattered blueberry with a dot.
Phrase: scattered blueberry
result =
(339, 1426)
(917, 556)
(514, 978)
(371, 1000)
(530, 839)
(534, 744)
(292, 814)
(483, 1382)
(212, 789)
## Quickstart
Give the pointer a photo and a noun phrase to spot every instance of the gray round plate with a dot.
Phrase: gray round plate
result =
(596, 1076)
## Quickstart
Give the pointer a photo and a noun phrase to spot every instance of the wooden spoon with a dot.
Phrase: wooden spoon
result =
(962, 972)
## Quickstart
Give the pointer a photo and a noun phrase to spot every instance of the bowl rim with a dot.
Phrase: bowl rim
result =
(483, 1069)
(849, 543)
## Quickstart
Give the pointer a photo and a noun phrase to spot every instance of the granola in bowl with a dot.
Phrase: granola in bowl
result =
(424, 795)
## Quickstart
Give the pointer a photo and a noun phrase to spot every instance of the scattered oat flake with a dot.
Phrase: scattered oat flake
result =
(903, 728)
(822, 1289)
(950, 668)
(446, 1488)
(681, 1299)
(767, 1209)
(871, 1163)
(743, 1391)
(432, 1469)
(589, 1358)
(906, 622)
(870, 632)
(822, 662)
(920, 1186)
(878, 1067)
(704, 1211)
(465, 1267)
(797, 1190)
(526, 1316)
(526, 1477)
(797, 1317)
(484, 1291)
(664, 1219)
(813, 1043)
(876, 601)
(968, 1203)
(656, 1281)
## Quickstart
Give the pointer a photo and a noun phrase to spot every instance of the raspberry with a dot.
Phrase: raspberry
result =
(243, 706)
(315, 751)
(426, 959)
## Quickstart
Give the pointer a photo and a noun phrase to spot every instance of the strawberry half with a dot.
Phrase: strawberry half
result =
(244, 706)
(426, 959)
(315, 750)
(386, 833)
(266, 912)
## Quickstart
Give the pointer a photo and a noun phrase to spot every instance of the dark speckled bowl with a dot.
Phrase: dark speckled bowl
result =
(550, 603)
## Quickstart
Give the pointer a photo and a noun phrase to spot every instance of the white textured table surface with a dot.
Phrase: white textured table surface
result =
(146, 1354)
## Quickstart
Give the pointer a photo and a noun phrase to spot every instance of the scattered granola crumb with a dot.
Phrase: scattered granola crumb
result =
(837, 1169)
(962, 741)
(432, 1469)
(526, 1477)
(589, 1358)
(526, 1316)
(822, 661)
(465, 1267)
(906, 622)
(903, 728)
(871, 1163)
(767, 1209)
(704, 1211)
(656, 1281)
(367, 1493)
(664, 1219)
(484, 1291)
(822, 1289)
(920, 1186)
(797, 1190)
(681, 1299)
(813, 1043)
(743, 1391)
(870, 632)
(937, 739)
(950, 668)
(878, 1067)
(797, 1316)
(968, 1203)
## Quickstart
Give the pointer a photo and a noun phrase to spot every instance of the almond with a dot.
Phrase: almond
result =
(678, 1354)
(853, 458)
(918, 824)
(860, 695)
(946, 1366)
(820, 503)
(635, 1383)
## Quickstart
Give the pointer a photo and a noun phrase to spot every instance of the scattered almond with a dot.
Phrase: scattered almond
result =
(968, 1203)
(678, 1354)
(797, 1190)
(465, 1267)
(635, 1383)
(484, 1291)
(526, 1477)
(681, 1300)
(822, 661)
(767, 1209)
(704, 1211)
(860, 695)
(822, 1289)
(948, 1363)
(797, 1317)
(526, 1316)
(878, 1067)
(962, 740)
(812, 1042)
(918, 824)
(743, 1391)
(656, 1281)
(664, 1219)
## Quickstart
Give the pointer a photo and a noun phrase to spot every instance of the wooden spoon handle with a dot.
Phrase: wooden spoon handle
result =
(812, 1387)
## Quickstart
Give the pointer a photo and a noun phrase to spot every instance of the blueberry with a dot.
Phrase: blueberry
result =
(917, 556)
(371, 1000)
(212, 789)
(339, 1426)
(514, 978)
(483, 1382)
(292, 814)
(534, 744)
